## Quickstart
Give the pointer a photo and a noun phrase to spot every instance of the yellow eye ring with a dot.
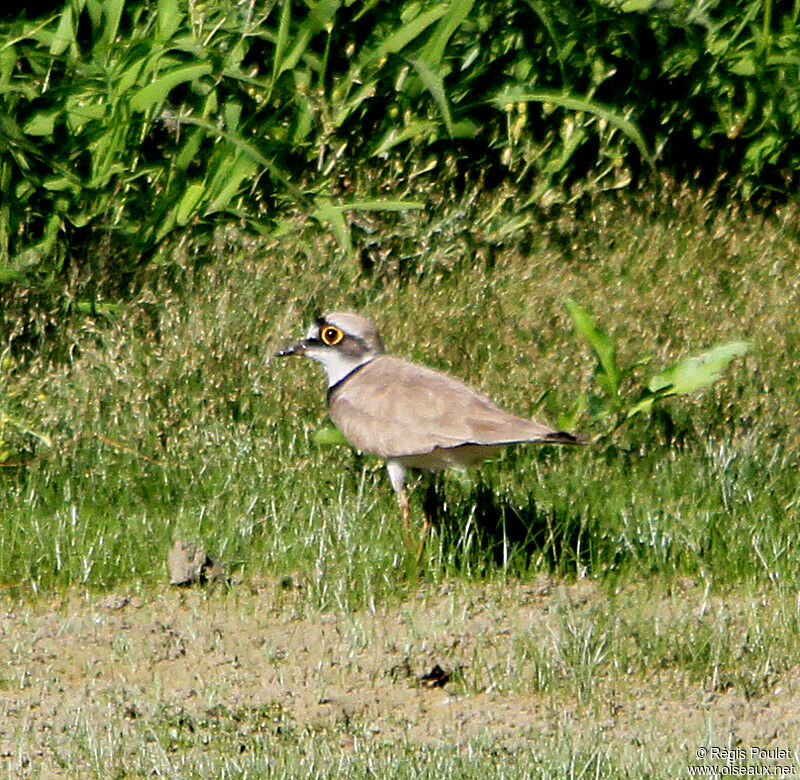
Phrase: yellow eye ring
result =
(331, 335)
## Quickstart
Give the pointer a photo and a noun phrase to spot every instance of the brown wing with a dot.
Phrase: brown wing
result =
(392, 408)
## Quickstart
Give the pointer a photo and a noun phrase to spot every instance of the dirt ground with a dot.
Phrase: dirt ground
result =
(252, 648)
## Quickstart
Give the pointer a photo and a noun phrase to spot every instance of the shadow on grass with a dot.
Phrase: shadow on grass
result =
(489, 529)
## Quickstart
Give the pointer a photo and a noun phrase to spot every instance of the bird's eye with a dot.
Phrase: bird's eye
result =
(331, 336)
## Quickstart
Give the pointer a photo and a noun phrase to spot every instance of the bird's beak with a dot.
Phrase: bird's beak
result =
(294, 349)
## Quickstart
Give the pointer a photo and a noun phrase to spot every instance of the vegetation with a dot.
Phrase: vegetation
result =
(172, 421)
(122, 123)
(588, 210)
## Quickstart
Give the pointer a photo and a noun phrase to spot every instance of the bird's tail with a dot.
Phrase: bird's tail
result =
(564, 437)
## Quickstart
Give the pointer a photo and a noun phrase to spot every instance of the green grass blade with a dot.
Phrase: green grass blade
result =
(435, 85)
(228, 180)
(399, 39)
(281, 43)
(544, 17)
(333, 217)
(112, 12)
(187, 205)
(329, 436)
(457, 11)
(395, 136)
(320, 14)
(378, 204)
(168, 19)
(518, 94)
(65, 33)
(155, 93)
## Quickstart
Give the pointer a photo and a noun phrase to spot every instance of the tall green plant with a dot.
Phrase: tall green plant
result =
(122, 122)
(623, 395)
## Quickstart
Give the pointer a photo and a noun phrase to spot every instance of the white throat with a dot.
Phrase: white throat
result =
(337, 366)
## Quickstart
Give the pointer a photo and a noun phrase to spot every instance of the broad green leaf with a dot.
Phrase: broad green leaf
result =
(78, 115)
(603, 347)
(232, 111)
(61, 184)
(333, 217)
(95, 11)
(190, 148)
(156, 92)
(112, 10)
(746, 66)
(694, 373)
(251, 151)
(228, 181)
(640, 6)
(41, 123)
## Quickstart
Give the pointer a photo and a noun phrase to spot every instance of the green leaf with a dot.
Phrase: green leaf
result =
(79, 114)
(399, 39)
(320, 14)
(746, 66)
(333, 217)
(457, 11)
(364, 92)
(168, 19)
(112, 11)
(517, 94)
(65, 33)
(694, 373)
(395, 136)
(190, 148)
(157, 91)
(41, 123)
(187, 206)
(435, 85)
(228, 179)
(329, 436)
(379, 204)
(281, 42)
(608, 372)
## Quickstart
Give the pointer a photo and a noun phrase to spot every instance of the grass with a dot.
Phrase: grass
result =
(171, 421)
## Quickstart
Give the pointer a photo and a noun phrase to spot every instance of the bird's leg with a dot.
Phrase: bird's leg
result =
(430, 506)
(397, 476)
(402, 499)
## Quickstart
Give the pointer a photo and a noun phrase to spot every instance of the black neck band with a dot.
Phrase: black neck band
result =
(338, 384)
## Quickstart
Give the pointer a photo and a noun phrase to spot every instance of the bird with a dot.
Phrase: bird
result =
(411, 416)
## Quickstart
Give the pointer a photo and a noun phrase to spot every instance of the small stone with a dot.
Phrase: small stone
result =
(189, 563)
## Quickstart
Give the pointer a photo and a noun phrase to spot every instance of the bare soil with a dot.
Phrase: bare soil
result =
(255, 649)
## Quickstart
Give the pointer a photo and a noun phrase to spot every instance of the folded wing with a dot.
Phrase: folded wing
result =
(394, 408)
